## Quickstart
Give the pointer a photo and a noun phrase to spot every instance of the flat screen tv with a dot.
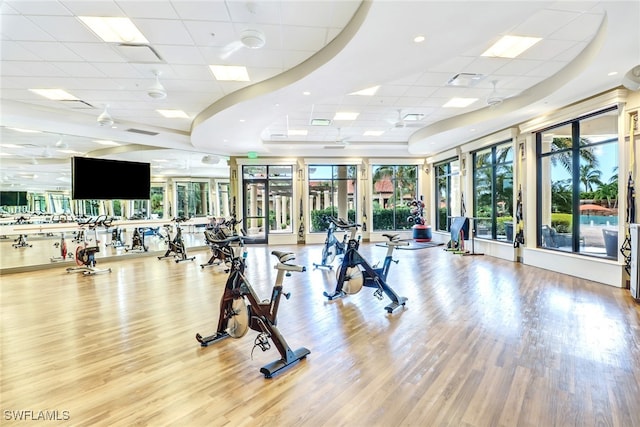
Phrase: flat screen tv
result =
(101, 179)
(13, 198)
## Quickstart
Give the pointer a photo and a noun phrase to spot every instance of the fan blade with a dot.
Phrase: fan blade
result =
(230, 49)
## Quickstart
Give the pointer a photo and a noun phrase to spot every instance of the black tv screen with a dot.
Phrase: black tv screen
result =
(13, 198)
(101, 179)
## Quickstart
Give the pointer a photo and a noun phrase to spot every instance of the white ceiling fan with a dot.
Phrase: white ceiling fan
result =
(494, 99)
(344, 141)
(249, 38)
(411, 120)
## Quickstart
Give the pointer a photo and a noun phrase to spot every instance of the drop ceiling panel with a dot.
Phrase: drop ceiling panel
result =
(15, 51)
(201, 10)
(210, 33)
(148, 9)
(93, 8)
(50, 8)
(80, 69)
(96, 52)
(164, 32)
(65, 28)
(15, 27)
(582, 29)
(51, 51)
(546, 50)
(180, 54)
(544, 23)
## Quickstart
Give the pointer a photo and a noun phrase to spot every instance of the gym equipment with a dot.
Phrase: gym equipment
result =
(62, 244)
(137, 241)
(355, 272)
(459, 229)
(332, 246)
(236, 315)
(219, 230)
(116, 238)
(85, 254)
(176, 249)
(21, 241)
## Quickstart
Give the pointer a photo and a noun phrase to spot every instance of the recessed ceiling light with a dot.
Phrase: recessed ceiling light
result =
(418, 39)
(613, 73)
(459, 102)
(235, 73)
(173, 114)
(9, 146)
(367, 92)
(25, 130)
(306, 92)
(320, 122)
(345, 115)
(69, 152)
(297, 132)
(114, 29)
(511, 46)
(373, 133)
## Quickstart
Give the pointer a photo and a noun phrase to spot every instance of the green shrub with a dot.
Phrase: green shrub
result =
(561, 222)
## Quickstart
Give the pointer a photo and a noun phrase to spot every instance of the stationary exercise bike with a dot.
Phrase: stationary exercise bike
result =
(220, 230)
(21, 241)
(236, 316)
(85, 254)
(332, 246)
(137, 241)
(177, 248)
(355, 272)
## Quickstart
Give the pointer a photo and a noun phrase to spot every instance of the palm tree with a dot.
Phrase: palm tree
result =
(562, 146)
(589, 176)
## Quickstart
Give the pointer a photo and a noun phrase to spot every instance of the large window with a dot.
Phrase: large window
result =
(192, 199)
(578, 185)
(493, 195)
(447, 193)
(157, 201)
(332, 191)
(393, 188)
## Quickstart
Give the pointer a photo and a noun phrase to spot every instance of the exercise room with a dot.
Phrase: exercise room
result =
(319, 213)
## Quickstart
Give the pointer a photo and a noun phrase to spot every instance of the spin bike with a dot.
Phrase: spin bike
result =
(21, 241)
(85, 254)
(176, 249)
(332, 246)
(355, 272)
(220, 230)
(236, 316)
(137, 241)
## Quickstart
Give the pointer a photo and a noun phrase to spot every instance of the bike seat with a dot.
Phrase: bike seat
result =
(391, 237)
(283, 257)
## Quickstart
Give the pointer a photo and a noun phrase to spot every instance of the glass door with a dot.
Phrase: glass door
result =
(255, 220)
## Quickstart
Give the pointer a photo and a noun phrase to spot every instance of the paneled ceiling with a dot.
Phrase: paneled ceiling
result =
(317, 55)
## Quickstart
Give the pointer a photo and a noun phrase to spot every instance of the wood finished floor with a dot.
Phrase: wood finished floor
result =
(482, 342)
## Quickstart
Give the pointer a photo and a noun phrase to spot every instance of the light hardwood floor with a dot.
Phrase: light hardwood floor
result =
(481, 342)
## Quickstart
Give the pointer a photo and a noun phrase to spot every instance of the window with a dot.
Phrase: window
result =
(332, 191)
(157, 201)
(280, 199)
(578, 185)
(192, 199)
(493, 195)
(447, 193)
(393, 188)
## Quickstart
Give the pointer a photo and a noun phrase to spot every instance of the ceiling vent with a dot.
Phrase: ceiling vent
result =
(139, 53)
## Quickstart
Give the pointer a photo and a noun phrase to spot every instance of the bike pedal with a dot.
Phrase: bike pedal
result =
(378, 294)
